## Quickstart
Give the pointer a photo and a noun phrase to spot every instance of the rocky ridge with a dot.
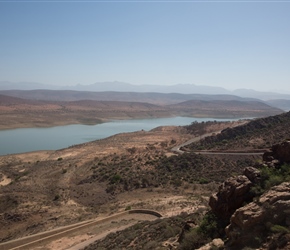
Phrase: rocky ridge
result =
(264, 220)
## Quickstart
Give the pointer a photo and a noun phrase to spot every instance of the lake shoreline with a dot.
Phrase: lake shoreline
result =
(57, 123)
(58, 137)
(45, 125)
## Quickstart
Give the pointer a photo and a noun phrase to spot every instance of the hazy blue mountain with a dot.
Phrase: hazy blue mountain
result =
(6, 85)
(149, 97)
(260, 95)
(127, 87)
(104, 86)
(280, 103)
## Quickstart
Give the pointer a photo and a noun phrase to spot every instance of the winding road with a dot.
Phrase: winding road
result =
(196, 139)
(177, 149)
(97, 228)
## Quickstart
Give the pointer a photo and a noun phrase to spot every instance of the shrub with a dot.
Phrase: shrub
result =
(115, 178)
(56, 197)
(203, 181)
(169, 232)
(271, 177)
(151, 245)
(207, 230)
(279, 229)
(128, 208)
(209, 225)
(193, 240)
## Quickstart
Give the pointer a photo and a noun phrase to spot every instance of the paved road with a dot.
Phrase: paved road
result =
(196, 139)
(99, 227)
(100, 236)
(177, 149)
(229, 152)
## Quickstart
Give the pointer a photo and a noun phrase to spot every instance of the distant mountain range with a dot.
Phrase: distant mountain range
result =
(148, 97)
(18, 112)
(129, 90)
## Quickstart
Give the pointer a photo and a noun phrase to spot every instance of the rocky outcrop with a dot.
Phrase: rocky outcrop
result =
(214, 244)
(253, 174)
(280, 152)
(266, 218)
(233, 193)
(249, 223)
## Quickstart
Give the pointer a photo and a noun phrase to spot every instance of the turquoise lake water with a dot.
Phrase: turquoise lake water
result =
(33, 139)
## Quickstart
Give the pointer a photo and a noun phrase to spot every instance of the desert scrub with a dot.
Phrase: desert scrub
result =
(209, 227)
(193, 240)
(279, 229)
(144, 235)
(56, 197)
(115, 179)
(271, 177)
(203, 180)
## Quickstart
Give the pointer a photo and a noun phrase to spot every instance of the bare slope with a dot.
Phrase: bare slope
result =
(224, 108)
(19, 112)
(259, 133)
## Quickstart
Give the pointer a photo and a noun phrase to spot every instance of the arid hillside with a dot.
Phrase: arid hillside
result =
(257, 134)
(223, 108)
(18, 112)
(249, 210)
(47, 189)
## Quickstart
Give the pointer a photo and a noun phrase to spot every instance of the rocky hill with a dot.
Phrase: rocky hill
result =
(257, 134)
(264, 220)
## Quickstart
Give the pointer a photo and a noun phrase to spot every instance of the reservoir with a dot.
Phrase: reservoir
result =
(32, 139)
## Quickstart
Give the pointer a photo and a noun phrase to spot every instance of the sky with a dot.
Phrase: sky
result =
(230, 44)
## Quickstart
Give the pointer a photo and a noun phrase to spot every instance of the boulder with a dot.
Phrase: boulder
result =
(280, 152)
(253, 174)
(231, 195)
(268, 156)
(214, 244)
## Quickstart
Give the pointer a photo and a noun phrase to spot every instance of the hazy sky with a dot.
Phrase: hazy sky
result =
(231, 44)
